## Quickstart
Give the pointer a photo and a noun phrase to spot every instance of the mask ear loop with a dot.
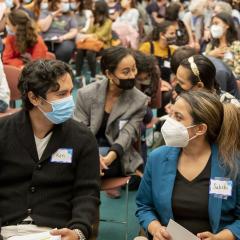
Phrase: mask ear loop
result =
(194, 68)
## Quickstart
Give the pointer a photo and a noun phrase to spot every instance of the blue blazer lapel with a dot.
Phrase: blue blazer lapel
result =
(215, 204)
(168, 178)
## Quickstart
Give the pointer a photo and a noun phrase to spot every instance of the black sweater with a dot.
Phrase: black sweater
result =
(53, 194)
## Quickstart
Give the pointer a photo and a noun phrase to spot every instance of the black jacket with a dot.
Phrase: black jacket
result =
(53, 194)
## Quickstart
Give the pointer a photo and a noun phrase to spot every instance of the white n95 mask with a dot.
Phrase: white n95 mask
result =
(175, 134)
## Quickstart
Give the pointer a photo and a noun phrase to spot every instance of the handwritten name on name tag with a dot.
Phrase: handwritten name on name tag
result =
(62, 155)
(221, 187)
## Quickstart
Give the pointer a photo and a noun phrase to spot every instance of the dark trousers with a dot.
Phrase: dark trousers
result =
(63, 50)
(91, 59)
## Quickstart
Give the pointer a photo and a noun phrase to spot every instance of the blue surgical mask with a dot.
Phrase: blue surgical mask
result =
(9, 31)
(9, 3)
(65, 7)
(62, 110)
(44, 6)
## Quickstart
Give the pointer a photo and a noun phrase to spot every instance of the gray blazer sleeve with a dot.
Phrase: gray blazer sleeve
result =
(128, 134)
(81, 113)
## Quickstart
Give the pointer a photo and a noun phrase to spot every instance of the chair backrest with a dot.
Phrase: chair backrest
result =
(50, 56)
(12, 74)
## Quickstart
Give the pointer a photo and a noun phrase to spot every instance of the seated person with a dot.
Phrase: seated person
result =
(182, 180)
(4, 90)
(18, 4)
(113, 109)
(162, 46)
(83, 15)
(126, 24)
(114, 9)
(59, 29)
(22, 43)
(157, 11)
(148, 81)
(224, 75)
(48, 180)
(225, 44)
(101, 31)
(198, 72)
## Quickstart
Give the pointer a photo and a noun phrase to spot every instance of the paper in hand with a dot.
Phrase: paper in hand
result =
(178, 232)
(36, 236)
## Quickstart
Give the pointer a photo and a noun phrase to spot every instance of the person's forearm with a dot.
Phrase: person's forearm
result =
(153, 226)
(225, 235)
(45, 23)
(70, 35)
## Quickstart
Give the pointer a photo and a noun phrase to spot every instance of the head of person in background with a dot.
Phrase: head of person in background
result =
(180, 54)
(62, 5)
(222, 6)
(21, 27)
(40, 5)
(175, 13)
(76, 5)
(197, 7)
(100, 12)
(127, 4)
(119, 66)
(195, 73)
(148, 76)
(165, 33)
(222, 28)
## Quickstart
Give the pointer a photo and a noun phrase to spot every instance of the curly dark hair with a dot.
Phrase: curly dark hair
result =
(26, 36)
(148, 64)
(39, 77)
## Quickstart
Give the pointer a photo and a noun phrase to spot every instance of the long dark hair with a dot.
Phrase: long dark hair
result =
(207, 72)
(26, 36)
(100, 12)
(231, 31)
(148, 64)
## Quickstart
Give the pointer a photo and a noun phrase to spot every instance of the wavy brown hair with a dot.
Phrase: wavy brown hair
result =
(26, 36)
(222, 120)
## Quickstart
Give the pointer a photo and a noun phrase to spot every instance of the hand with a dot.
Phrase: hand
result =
(57, 13)
(207, 236)
(107, 159)
(26, 57)
(102, 165)
(161, 234)
(65, 233)
(206, 35)
(61, 39)
(165, 86)
(217, 52)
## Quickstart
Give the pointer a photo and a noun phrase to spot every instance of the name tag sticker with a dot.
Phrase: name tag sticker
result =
(122, 123)
(166, 64)
(221, 187)
(62, 155)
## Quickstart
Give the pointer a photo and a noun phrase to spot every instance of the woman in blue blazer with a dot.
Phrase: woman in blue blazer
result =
(195, 179)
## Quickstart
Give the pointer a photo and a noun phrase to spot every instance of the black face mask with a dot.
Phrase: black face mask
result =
(171, 40)
(179, 89)
(126, 84)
